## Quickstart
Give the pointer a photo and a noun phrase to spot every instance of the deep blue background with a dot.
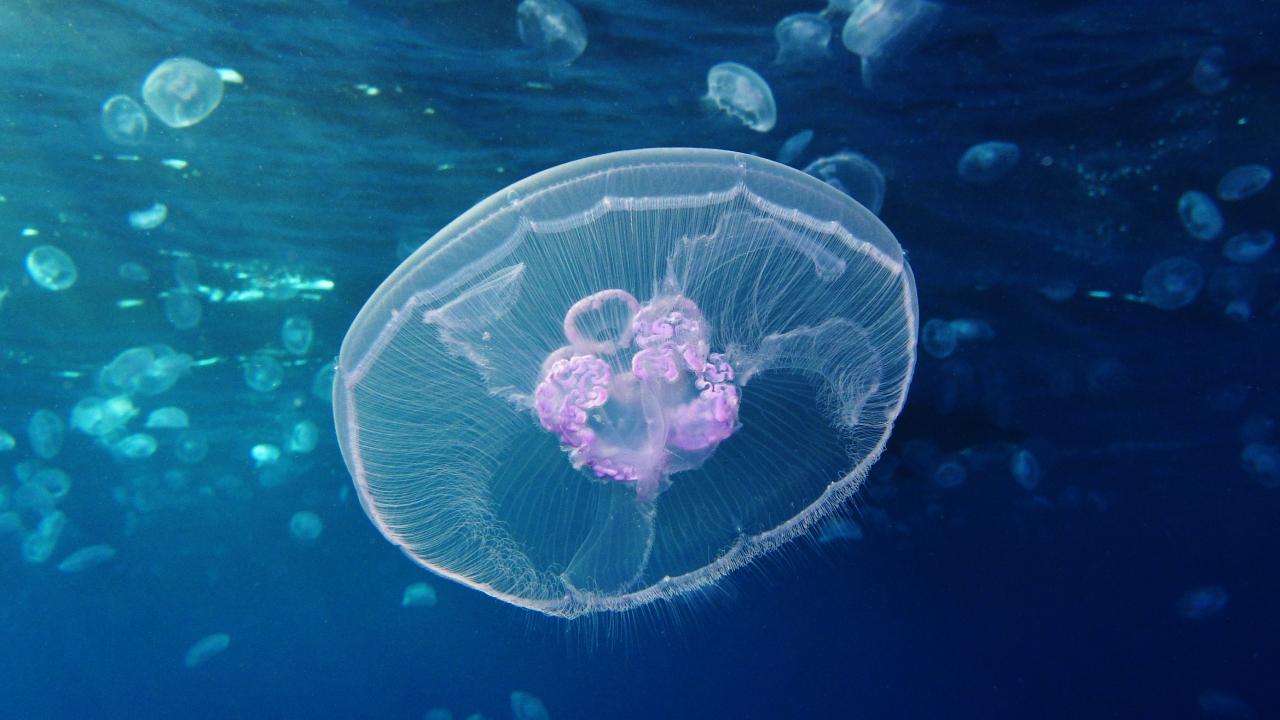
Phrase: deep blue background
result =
(981, 601)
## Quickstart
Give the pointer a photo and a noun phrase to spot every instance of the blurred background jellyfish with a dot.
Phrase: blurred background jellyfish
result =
(740, 92)
(124, 121)
(182, 92)
(852, 174)
(802, 39)
(553, 29)
(620, 379)
(987, 162)
(881, 29)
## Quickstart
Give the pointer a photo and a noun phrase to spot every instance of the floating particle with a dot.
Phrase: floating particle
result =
(1172, 283)
(418, 594)
(740, 92)
(1199, 215)
(1244, 182)
(305, 526)
(51, 268)
(795, 146)
(205, 648)
(182, 92)
(553, 29)
(86, 557)
(987, 162)
(150, 218)
(124, 121)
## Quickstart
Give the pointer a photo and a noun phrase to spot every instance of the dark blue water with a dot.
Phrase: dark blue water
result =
(983, 600)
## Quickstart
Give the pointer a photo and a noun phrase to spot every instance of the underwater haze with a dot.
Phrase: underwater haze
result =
(1075, 513)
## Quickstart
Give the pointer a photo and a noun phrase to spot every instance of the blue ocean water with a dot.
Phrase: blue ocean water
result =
(1132, 576)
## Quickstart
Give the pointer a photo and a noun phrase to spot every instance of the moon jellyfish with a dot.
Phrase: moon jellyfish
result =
(183, 309)
(853, 175)
(150, 218)
(802, 38)
(45, 431)
(882, 28)
(938, 338)
(1249, 247)
(553, 28)
(168, 418)
(1202, 602)
(740, 92)
(622, 378)
(1210, 75)
(794, 147)
(137, 446)
(305, 526)
(133, 272)
(263, 373)
(7, 441)
(1262, 462)
(296, 334)
(191, 447)
(1244, 182)
(419, 594)
(1173, 283)
(987, 162)
(205, 648)
(51, 268)
(124, 121)
(526, 706)
(303, 437)
(86, 557)
(1199, 215)
(182, 92)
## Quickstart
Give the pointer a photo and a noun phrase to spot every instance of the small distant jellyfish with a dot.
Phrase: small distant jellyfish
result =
(150, 218)
(418, 594)
(987, 162)
(322, 383)
(553, 29)
(51, 268)
(1249, 247)
(182, 309)
(852, 174)
(7, 441)
(741, 93)
(526, 706)
(182, 92)
(1025, 469)
(1199, 215)
(794, 147)
(802, 38)
(54, 481)
(305, 526)
(168, 418)
(1210, 75)
(137, 446)
(1173, 283)
(949, 474)
(883, 27)
(45, 431)
(938, 338)
(191, 447)
(205, 648)
(967, 329)
(1243, 182)
(1261, 461)
(39, 544)
(86, 558)
(133, 272)
(296, 334)
(303, 437)
(264, 454)
(124, 121)
(186, 273)
(263, 373)
(1203, 602)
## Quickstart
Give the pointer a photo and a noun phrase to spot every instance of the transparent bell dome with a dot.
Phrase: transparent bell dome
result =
(620, 379)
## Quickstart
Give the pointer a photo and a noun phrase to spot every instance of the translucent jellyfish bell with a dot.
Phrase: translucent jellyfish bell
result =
(552, 28)
(881, 27)
(182, 92)
(987, 162)
(802, 38)
(622, 378)
(123, 120)
(853, 175)
(740, 92)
